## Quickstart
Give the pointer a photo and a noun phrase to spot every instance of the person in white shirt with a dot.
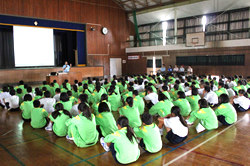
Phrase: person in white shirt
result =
(241, 103)
(210, 96)
(182, 68)
(29, 91)
(190, 70)
(151, 98)
(83, 98)
(12, 102)
(230, 82)
(231, 92)
(131, 79)
(140, 86)
(175, 126)
(3, 95)
(176, 69)
(47, 102)
(58, 93)
(201, 90)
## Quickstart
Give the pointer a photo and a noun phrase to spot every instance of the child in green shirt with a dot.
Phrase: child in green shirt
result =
(95, 106)
(183, 103)
(193, 99)
(64, 99)
(165, 92)
(26, 107)
(139, 102)
(122, 143)
(82, 128)
(58, 119)
(38, 116)
(75, 91)
(207, 118)
(114, 99)
(72, 98)
(96, 95)
(226, 113)
(149, 133)
(105, 120)
(131, 112)
(221, 90)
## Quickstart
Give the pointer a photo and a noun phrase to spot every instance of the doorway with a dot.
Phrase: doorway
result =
(115, 67)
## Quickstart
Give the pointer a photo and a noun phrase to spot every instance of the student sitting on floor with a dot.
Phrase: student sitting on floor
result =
(64, 99)
(131, 112)
(182, 103)
(95, 106)
(151, 97)
(12, 102)
(225, 113)
(114, 99)
(82, 128)
(221, 89)
(26, 107)
(230, 91)
(240, 102)
(149, 133)
(83, 98)
(122, 143)
(210, 96)
(48, 102)
(105, 120)
(4, 94)
(75, 91)
(175, 126)
(38, 116)
(138, 101)
(72, 98)
(206, 116)
(163, 107)
(193, 99)
(57, 120)
(57, 95)
(19, 93)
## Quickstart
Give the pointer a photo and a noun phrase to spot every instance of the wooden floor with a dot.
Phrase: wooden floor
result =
(20, 144)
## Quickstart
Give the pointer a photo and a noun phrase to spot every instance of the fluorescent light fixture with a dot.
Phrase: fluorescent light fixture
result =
(204, 22)
(164, 31)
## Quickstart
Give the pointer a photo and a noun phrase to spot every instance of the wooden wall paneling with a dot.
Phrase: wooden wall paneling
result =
(63, 10)
(28, 8)
(52, 9)
(137, 66)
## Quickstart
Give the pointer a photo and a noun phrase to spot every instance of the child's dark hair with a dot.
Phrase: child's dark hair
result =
(54, 81)
(44, 89)
(59, 107)
(58, 90)
(36, 103)
(162, 97)
(12, 92)
(130, 101)
(27, 97)
(103, 107)
(76, 81)
(39, 93)
(135, 92)
(207, 88)
(176, 110)
(149, 88)
(194, 91)
(85, 110)
(5, 89)
(85, 87)
(19, 91)
(123, 122)
(69, 93)
(223, 98)
(181, 94)
(21, 82)
(104, 97)
(83, 98)
(203, 103)
(147, 118)
(165, 88)
(47, 94)
(130, 89)
(176, 86)
(64, 97)
(29, 89)
(75, 88)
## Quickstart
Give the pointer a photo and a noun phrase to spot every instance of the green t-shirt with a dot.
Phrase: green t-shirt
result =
(73, 100)
(26, 107)
(38, 117)
(221, 91)
(184, 105)
(142, 94)
(52, 91)
(151, 137)
(132, 114)
(75, 94)
(206, 117)
(193, 101)
(95, 106)
(59, 126)
(167, 95)
(96, 96)
(83, 130)
(20, 97)
(115, 102)
(107, 123)
(138, 101)
(80, 89)
(56, 85)
(228, 111)
(37, 97)
(129, 94)
(126, 151)
(68, 86)
(66, 105)
(173, 94)
(162, 108)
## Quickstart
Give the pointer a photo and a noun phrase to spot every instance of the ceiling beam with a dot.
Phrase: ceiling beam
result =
(144, 5)
(120, 2)
(119, 5)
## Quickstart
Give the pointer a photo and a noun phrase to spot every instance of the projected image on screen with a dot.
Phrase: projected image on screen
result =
(33, 46)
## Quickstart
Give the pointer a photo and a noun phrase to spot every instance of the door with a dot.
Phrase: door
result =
(115, 67)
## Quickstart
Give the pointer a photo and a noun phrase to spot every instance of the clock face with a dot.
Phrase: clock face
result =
(105, 30)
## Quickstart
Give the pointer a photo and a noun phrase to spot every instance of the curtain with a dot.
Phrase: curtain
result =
(6, 47)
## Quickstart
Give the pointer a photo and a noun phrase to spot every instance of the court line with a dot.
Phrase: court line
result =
(12, 154)
(64, 149)
(176, 147)
(166, 146)
(89, 158)
(177, 158)
(7, 132)
(212, 157)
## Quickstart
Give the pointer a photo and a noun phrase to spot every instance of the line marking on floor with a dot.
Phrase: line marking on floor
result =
(7, 132)
(177, 158)
(12, 155)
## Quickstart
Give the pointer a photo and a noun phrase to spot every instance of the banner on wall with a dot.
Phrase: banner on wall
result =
(133, 57)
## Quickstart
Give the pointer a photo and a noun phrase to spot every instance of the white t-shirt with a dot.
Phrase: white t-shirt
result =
(231, 84)
(190, 70)
(215, 88)
(13, 101)
(200, 91)
(188, 93)
(176, 69)
(74, 110)
(177, 127)
(242, 101)
(57, 97)
(182, 69)
(139, 88)
(231, 92)
(131, 79)
(32, 95)
(4, 95)
(211, 97)
(153, 97)
(48, 104)
(158, 86)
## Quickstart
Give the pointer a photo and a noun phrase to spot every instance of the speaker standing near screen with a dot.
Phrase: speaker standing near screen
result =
(66, 67)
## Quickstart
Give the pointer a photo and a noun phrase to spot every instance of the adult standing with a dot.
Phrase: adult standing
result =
(66, 67)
